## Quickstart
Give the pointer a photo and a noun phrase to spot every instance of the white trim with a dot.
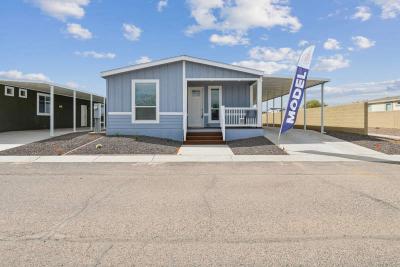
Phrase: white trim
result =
(23, 90)
(202, 103)
(119, 113)
(209, 101)
(259, 102)
(157, 82)
(6, 89)
(74, 111)
(38, 113)
(205, 114)
(171, 113)
(91, 112)
(51, 110)
(222, 79)
(184, 100)
(180, 58)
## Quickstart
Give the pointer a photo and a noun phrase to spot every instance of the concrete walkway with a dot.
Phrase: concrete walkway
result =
(205, 150)
(18, 138)
(300, 142)
(392, 137)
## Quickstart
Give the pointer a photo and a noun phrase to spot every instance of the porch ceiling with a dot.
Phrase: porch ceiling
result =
(274, 87)
(45, 88)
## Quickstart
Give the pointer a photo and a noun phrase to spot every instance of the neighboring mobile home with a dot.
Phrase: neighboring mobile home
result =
(384, 104)
(174, 97)
(26, 105)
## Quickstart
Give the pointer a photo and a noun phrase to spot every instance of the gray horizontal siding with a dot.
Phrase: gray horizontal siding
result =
(119, 87)
(170, 127)
(196, 70)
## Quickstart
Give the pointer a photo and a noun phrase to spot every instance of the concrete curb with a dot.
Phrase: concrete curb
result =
(193, 158)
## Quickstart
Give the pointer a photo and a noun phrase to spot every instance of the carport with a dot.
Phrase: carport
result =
(57, 89)
(274, 87)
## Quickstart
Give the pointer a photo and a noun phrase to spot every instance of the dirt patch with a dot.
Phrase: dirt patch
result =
(129, 145)
(383, 145)
(384, 131)
(54, 146)
(255, 146)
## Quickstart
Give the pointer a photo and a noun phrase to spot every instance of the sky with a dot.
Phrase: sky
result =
(71, 41)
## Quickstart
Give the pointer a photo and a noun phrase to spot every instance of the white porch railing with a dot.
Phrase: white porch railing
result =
(237, 117)
(240, 117)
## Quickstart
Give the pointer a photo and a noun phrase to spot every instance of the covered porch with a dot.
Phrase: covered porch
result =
(224, 104)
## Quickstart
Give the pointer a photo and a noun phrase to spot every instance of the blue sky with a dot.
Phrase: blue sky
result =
(72, 41)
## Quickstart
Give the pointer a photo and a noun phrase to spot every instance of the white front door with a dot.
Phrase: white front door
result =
(195, 107)
(83, 116)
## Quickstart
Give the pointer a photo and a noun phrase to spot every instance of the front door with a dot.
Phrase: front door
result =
(83, 116)
(195, 107)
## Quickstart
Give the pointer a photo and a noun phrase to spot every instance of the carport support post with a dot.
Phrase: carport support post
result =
(322, 109)
(305, 112)
(74, 111)
(281, 110)
(267, 113)
(273, 112)
(259, 102)
(51, 110)
(91, 112)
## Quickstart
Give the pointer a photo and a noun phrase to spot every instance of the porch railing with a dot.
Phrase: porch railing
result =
(240, 117)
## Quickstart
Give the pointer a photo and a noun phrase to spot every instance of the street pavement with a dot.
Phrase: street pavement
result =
(201, 214)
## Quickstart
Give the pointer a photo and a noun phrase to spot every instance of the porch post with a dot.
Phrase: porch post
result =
(91, 112)
(267, 113)
(259, 102)
(322, 109)
(74, 110)
(305, 112)
(105, 112)
(184, 100)
(51, 110)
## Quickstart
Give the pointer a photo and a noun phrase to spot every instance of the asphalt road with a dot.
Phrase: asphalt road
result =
(254, 214)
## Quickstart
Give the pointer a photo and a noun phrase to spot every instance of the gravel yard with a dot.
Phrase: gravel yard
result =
(384, 131)
(129, 145)
(378, 144)
(54, 146)
(255, 146)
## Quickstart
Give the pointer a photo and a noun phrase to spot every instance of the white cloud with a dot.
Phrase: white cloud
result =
(78, 32)
(271, 60)
(18, 75)
(390, 8)
(332, 44)
(332, 63)
(96, 55)
(161, 5)
(362, 42)
(363, 13)
(229, 40)
(239, 16)
(269, 67)
(63, 9)
(131, 32)
(303, 43)
(142, 60)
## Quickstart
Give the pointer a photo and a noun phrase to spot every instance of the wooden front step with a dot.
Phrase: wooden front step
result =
(204, 138)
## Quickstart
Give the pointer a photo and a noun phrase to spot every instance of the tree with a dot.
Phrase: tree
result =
(313, 104)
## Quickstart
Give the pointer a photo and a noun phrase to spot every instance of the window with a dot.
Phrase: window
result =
(9, 91)
(389, 107)
(145, 99)
(43, 104)
(214, 102)
(23, 93)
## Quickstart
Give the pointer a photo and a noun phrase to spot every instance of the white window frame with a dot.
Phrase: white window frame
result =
(133, 105)
(209, 101)
(25, 93)
(37, 104)
(6, 89)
